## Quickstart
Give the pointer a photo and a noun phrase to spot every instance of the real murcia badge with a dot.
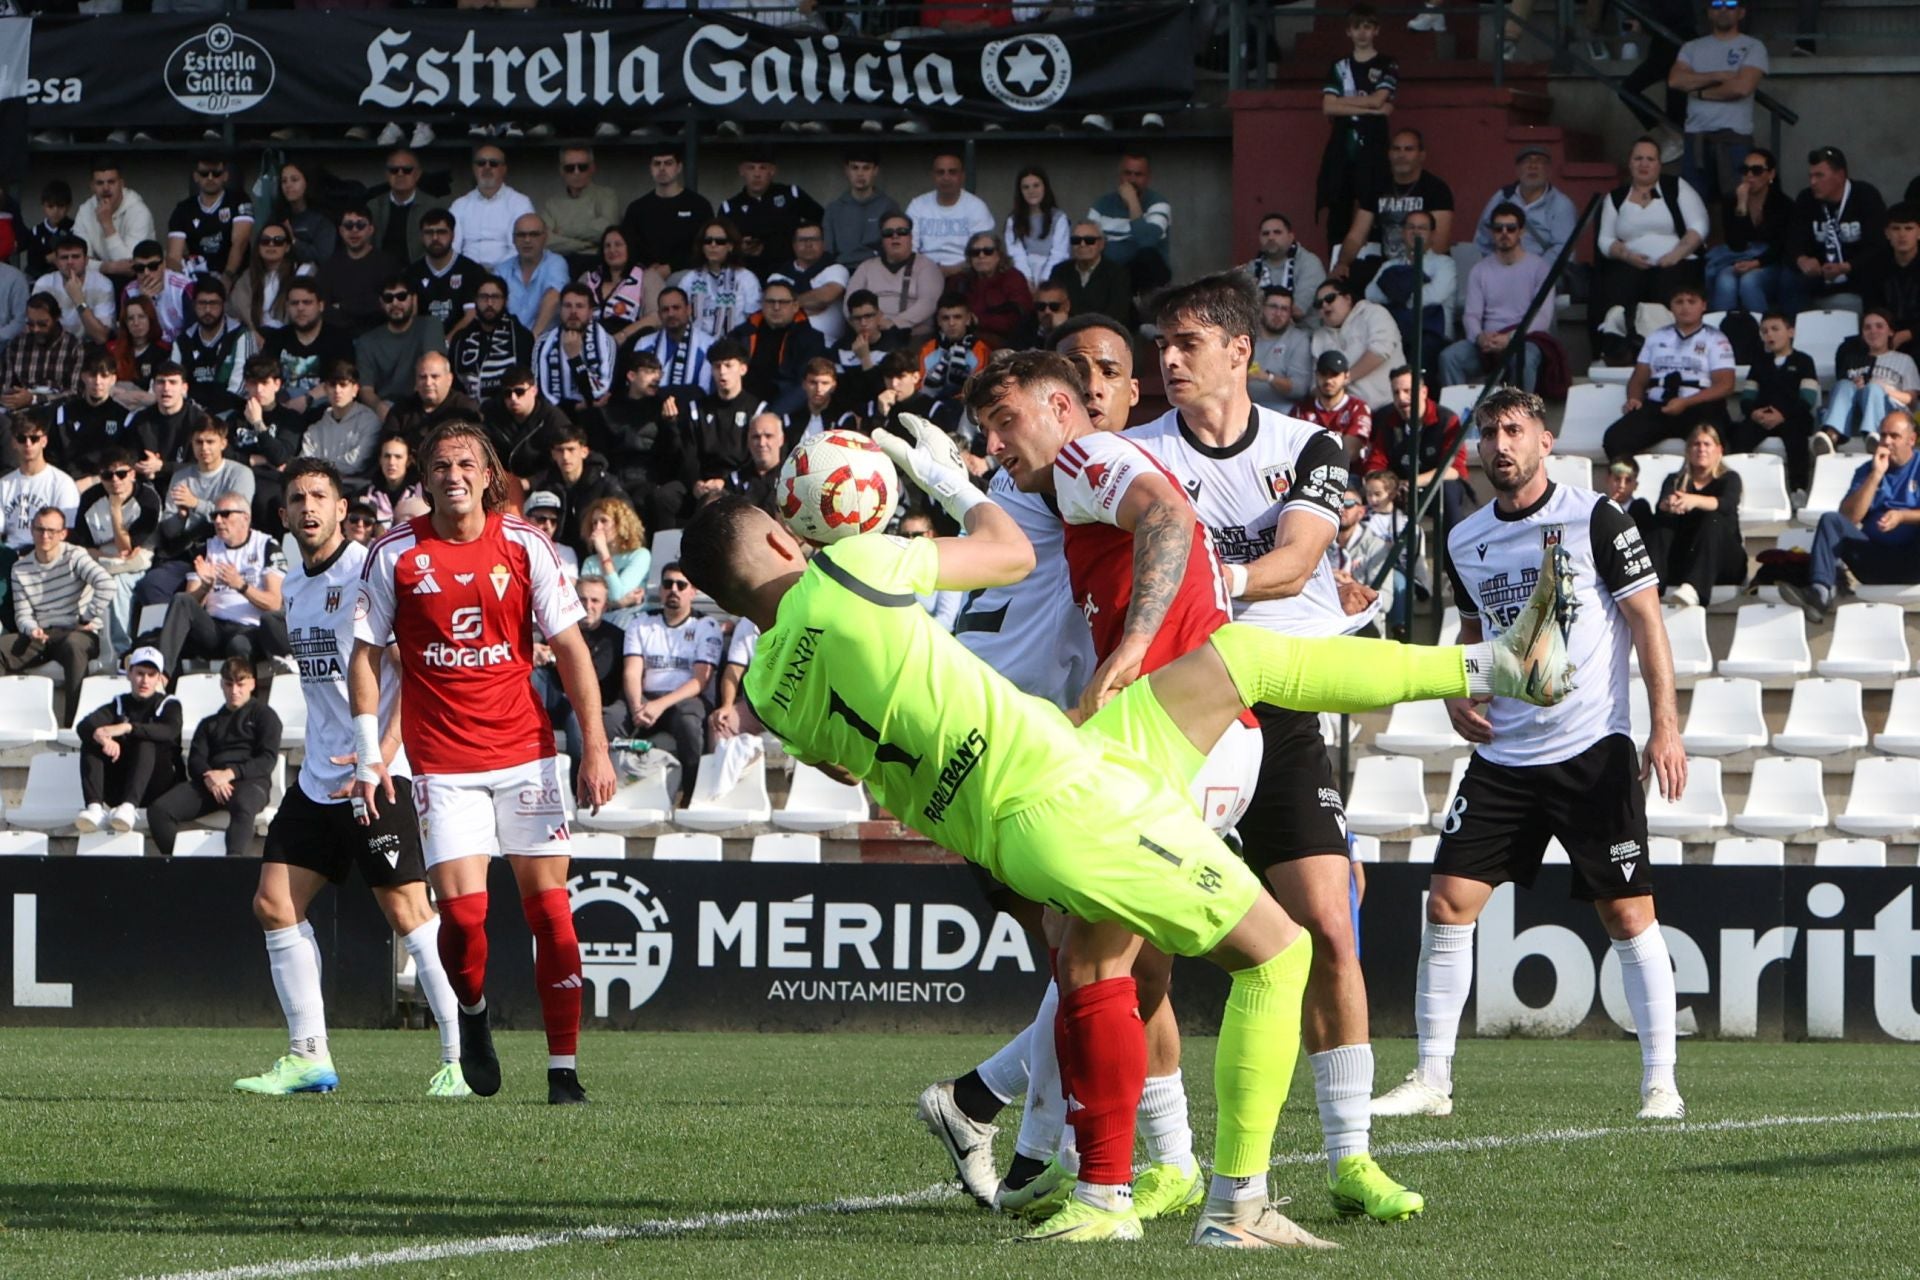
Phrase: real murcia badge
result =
(500, 578)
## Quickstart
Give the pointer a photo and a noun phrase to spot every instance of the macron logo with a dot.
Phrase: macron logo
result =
(441, 654)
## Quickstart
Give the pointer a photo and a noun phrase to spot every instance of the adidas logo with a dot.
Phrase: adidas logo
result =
(569, 983)
(426, 587)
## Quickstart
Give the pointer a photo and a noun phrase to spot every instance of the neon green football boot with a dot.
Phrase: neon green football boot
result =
(1039, 1199)
(292, 1075)
(1166, 1191)
(1364, 1187)
(1081, 1223)
(449, 1082)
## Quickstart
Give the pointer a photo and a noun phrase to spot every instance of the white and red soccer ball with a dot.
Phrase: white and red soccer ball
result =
(836, 485)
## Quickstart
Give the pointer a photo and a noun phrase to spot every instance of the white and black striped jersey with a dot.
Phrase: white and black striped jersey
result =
(319, 611)
(1280, 466)
(1496, 560)
(1030, 632)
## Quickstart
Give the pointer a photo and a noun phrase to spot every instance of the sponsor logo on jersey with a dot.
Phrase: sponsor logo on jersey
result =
(361, 606)
(500, 577)
(387, 845)
(463, 578)
(1482, 549)
(442, 654)
(1096, 474)
(426, 586)
(795, 672)
(1325, 485)
(1193, 490)
(955, 772)
(423, 561)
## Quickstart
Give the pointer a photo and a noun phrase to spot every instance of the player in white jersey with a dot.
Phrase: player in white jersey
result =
(1269, 488)
(1539, 772)
(314, 839)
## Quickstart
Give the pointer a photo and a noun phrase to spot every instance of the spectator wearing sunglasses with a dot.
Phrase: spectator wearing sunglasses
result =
(1743, 271)
(1499, 288)
(209, 231)
(670, 658)
(166, 290)
(483, 219)
(351, 279)
(907, 284)
(1052, 305)
(230, 604)
(33, 483)
(397, 214)
(580, 211)
(1093, 282)
(1719, 72)
(995, 289)
(388, 354)
(118, 522)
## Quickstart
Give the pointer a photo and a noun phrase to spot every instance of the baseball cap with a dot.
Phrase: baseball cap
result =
(1331, 362)
(543, 500)
(1524, 152)
(147, 654)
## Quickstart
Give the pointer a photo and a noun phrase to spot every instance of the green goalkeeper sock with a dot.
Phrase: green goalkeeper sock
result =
(1336, 673)
(1253, 1065)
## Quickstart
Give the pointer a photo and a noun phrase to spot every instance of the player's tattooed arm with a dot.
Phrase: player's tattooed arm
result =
(1162, 542)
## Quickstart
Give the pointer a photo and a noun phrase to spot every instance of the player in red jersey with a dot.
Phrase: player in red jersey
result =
(459, 592)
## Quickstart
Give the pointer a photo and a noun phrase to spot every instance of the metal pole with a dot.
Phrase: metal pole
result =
(1416, 413)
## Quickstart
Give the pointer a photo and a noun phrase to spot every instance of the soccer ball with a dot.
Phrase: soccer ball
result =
(836, 485)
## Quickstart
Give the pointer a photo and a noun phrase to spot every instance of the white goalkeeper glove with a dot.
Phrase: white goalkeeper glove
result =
(932, 461)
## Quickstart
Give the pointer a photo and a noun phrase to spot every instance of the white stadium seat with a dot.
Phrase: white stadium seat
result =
(1700, 810)
(1787, 798)
(1769, 640)
(1449, 626)
(1639, 713)
(644, 802)
(1885, 799)
(95, 691)
(1832, 482)
(1460, 397)
(23, 844)
(686, 846)
(1849, 852)
(1764, 503)
(1664, 851)
(1820, 333)
(1742, 851)
(52, 796)
(598, 844)
(200, 842)
(26, 711)
(1389, 794)
(1687, 638)
(1330, 723)
(113, 844)
(1420, 729)
(1902, 734)
(1825, 718)
(1591, 408)
(200, 696)
(1904, 594)
(666, 548)
(1363, 848)
(1459, 771)
(745, 804)
(1654, 470)
(287, 702)
(1422, 848)
(818, 803)
(1570, 470)
(785, 846)
(1868, 640)
(1725, 718)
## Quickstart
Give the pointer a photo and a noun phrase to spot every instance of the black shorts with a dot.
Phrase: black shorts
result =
(1503, 816)
(1297, 811)
(324, 838)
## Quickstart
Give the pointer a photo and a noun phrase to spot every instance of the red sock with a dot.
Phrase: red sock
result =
(1103, 1067)
(463, 945)
(556, 968)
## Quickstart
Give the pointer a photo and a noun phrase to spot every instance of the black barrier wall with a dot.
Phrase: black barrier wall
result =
(699, 946)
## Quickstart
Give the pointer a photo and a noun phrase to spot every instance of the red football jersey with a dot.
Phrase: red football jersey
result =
(1091, 477)
(463, 615)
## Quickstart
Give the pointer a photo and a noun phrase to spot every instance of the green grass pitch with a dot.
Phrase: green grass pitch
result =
(125, 1153)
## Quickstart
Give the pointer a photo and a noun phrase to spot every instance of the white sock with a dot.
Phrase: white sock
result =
(558, 1061)
(423, 944)
(306, 931)
(1646, 971)
(1005, 1073)
(1343, 1086)
(1446, 976)
(1118, 1198)
(1224, 1193)
(1162, 1120)
(1045, 1116)
(295, 964)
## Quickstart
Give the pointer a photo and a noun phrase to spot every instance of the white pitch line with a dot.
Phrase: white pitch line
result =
(1549, 1137)
(528, 1243)
(573, 1235)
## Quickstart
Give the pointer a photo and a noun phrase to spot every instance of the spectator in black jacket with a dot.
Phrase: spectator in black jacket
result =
(577, 478)
(84, 425)
(1838, 225)
(118, 521)
(1893, 284)
(642, 453)
(435, 399)
(714, 428)
(229, 766)
(1785, 391)
(129, 748)
(521, 422)
(1622, 488)
(1756, 220)
(779, 343)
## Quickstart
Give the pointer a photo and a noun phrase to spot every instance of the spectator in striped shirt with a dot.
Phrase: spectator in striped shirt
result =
(60, 600)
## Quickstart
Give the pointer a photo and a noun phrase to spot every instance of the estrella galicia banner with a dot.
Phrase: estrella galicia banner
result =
(355, 66)
(1808, 953)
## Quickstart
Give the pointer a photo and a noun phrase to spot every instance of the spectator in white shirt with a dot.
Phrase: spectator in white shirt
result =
(112, 221)
(1037, 229)
(483, 218)
(86, 296)
(230, 606)
(948, 216)
(34, 484)
(1651, 231)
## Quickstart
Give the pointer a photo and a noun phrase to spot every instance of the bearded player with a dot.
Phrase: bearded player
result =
(1092, 821)
(460, 591)
(314, 839)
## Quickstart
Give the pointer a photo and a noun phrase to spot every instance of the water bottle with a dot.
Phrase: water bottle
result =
(639, 746)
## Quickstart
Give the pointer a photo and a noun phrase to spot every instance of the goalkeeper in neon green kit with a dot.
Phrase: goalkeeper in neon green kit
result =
(850, 672)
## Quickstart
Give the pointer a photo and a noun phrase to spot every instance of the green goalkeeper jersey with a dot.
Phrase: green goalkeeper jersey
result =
(854, 672)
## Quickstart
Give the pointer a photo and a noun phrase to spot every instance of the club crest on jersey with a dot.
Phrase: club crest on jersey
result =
(500, 578)
(1276, 480)
(1550, 536)
(333, 599)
